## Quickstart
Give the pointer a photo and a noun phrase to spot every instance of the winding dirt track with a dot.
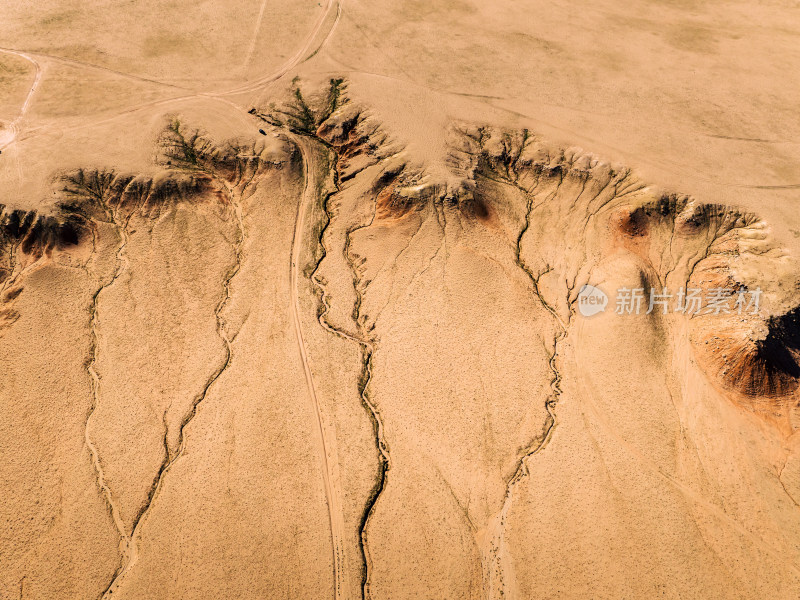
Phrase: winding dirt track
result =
(312, 40)
(302, 54)
(14, 127)
(329, 455)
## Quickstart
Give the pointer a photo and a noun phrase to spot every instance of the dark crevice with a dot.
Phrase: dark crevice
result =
(301, 119)
(194, 152)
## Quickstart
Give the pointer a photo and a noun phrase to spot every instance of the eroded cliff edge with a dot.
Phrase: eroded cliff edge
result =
(352, 374)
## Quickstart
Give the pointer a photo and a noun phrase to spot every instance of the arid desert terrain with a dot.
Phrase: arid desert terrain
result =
(400, 300)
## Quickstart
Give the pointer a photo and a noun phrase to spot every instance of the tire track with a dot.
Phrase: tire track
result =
(367, 351)
(86, 65)
(327, 437)
(14, 127)
(298, 57)
(301, 55)
(259, 20)
(37, 78)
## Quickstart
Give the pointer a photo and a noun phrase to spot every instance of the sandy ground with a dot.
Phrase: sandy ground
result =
(292, 300)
